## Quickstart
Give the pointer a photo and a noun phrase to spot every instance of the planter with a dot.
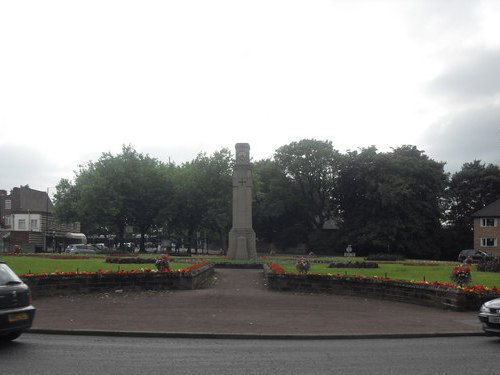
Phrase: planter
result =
(442, 297)
(48, 285)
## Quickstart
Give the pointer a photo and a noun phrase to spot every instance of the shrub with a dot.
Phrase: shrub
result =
(385, 257)
(131, 260)
(162, 264)
(461, 275)
(353, 265)
(492, 265)
(302, 265)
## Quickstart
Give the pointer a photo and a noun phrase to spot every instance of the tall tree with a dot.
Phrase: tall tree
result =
(115, 191)
(279, 213)
(392, 201)
(203, 197)
(473, 187)
(313, 165)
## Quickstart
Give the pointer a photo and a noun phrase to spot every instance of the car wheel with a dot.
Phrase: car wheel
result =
(10, 336)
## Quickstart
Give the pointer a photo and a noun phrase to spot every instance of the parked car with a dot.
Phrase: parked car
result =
(101, 247)
(16, 311)
(81, 249)
(476, 255)
(489, 315)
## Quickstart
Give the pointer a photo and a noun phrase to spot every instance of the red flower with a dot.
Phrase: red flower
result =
(276, 268)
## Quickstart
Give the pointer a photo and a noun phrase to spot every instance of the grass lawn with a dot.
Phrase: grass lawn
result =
(40, 264)
(405, 270)
(441, 272)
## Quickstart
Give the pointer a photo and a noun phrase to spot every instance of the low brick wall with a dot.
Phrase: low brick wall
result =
(426, 295)
(42, 286)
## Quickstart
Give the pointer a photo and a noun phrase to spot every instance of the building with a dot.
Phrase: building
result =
(487, 228)
(28, 223)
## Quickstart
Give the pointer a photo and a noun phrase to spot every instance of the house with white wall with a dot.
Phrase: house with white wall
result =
(28, 222)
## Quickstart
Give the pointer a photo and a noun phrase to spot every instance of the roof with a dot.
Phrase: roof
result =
(35, 200)
(491, 210)
(31, 200)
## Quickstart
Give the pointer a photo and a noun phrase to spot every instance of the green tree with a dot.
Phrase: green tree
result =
(473, 187)
(313, 166)
(392, 201)
(115, 191)
(203, 198)
(279, 214)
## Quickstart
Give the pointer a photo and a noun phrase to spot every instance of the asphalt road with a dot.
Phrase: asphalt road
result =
(71, 355)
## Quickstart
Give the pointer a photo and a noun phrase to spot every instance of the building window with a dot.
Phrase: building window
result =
(34, 224)
(488, 242)
(8, 204)
(21, 224)
(7, 221)
(489, 222)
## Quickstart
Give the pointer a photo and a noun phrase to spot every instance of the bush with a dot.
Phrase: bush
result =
(492, 265)
(353, 265)
(461, 275)
(302, 265)
(386, 257)
(131, 260)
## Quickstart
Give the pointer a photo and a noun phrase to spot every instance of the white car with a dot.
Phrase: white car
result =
(489, 315)
(101, 247)
(81, 249)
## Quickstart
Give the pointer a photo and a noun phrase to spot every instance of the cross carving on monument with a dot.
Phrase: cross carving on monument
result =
(242, 181)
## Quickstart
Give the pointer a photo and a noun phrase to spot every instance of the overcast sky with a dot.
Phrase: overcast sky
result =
(175, 78)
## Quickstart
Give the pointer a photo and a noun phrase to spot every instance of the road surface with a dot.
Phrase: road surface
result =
(91, 355)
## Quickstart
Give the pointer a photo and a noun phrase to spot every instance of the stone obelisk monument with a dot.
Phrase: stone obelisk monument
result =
(242, 236)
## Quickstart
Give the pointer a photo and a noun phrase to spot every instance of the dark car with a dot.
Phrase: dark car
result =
(476, 255)
(489, 315)
(16, 311)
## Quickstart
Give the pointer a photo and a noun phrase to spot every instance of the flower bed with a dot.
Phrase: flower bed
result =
(130, 260)
(55, 283)
(353, 265)
(435, 294)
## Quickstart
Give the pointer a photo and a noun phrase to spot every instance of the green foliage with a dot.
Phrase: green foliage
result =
(279, 213)
(473, 187)
(461, 275)
(39, 264)
(408, 271)
(203, 198)
(385, 257)
(492, 265)
(391, 201)
(126, 189)
(313, 166)
(395, 202)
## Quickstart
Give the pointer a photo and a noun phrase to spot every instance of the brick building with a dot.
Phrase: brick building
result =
(27, 221)
(487, 228)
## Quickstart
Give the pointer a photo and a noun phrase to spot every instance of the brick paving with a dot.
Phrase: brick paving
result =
(238, 302)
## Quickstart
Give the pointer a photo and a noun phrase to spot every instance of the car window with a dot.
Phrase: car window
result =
(7, 275)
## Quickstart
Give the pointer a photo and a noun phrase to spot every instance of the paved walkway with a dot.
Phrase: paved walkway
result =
(239, 303)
